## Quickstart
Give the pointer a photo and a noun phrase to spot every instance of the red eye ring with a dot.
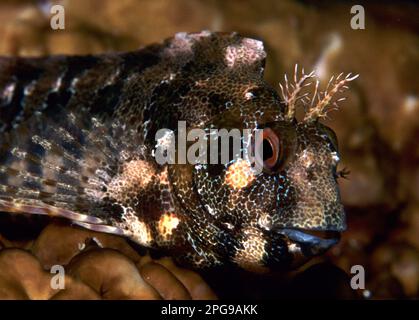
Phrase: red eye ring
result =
(272, 151)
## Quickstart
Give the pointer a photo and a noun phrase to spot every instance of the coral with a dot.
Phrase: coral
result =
(97, 266)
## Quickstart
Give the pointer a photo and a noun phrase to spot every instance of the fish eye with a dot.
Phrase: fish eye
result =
(331, 137)
(272, 151)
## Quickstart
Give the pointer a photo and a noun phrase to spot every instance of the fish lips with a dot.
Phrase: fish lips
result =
(311, 244)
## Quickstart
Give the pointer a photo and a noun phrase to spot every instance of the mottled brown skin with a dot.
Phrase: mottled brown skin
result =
(94, 120)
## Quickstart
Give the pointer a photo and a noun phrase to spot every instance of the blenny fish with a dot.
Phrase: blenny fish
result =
(77, 141)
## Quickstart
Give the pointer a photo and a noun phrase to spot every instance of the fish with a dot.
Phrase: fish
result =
(78, 141)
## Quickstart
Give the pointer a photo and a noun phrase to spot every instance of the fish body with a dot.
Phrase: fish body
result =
(78, 140)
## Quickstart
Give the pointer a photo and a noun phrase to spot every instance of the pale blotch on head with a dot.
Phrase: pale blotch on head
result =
(136, 174)
(239, 174)
(250, 257)
(307, 158)
(167, 223)
(135, 228)
(248, 51)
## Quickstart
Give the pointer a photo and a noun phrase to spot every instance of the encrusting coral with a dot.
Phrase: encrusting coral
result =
(97, 266)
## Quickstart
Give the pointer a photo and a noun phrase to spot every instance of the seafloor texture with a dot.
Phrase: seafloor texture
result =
(97, 266)
(377, 127)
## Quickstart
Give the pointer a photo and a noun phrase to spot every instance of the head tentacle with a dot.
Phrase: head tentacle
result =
(321, 102)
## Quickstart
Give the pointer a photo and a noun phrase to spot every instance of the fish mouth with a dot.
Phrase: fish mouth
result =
(312, 242)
